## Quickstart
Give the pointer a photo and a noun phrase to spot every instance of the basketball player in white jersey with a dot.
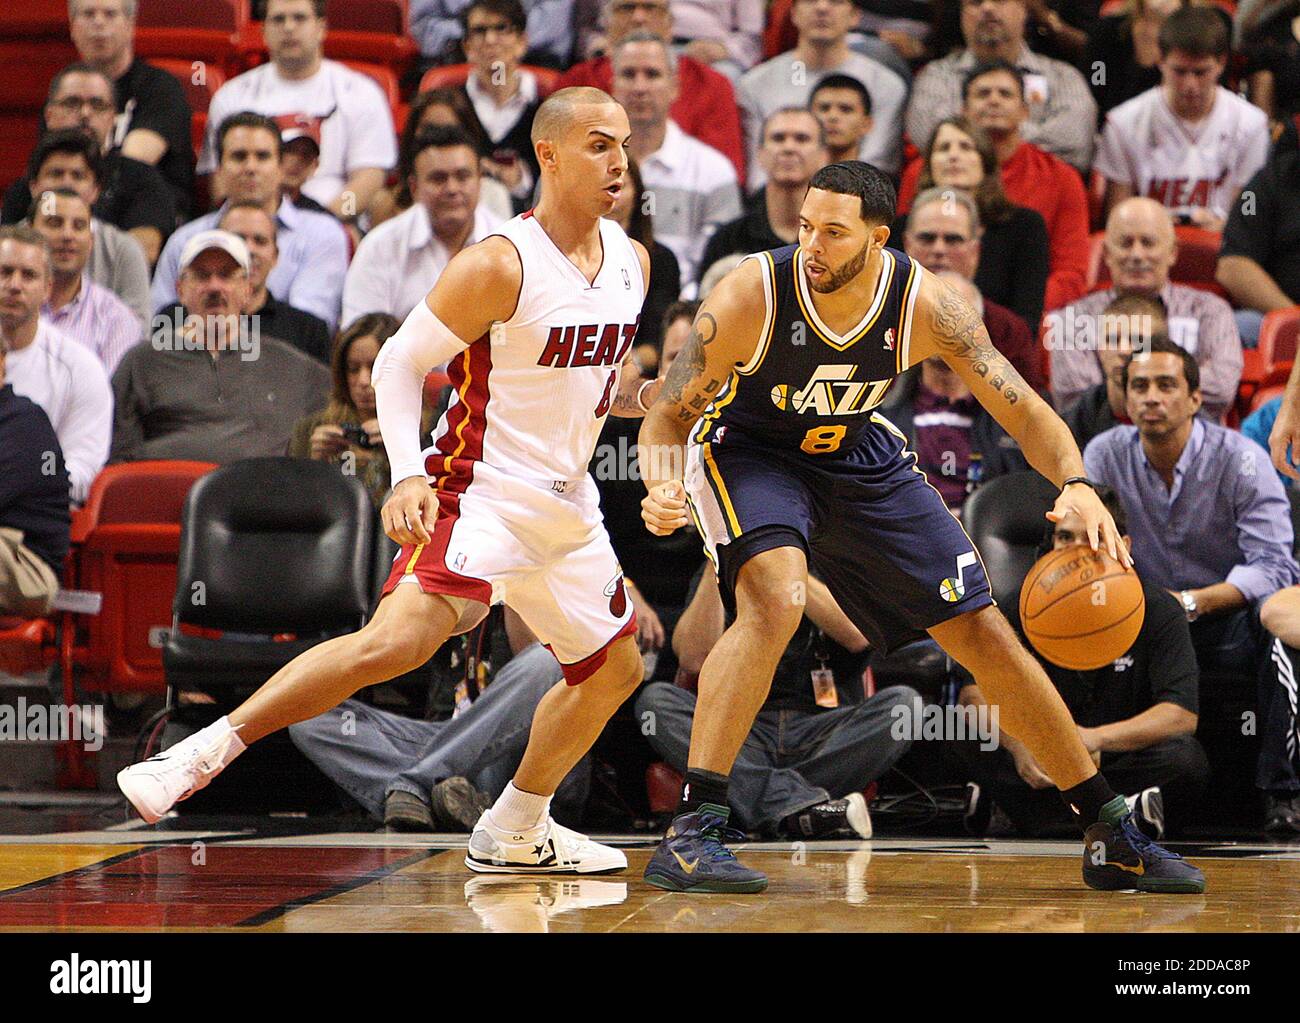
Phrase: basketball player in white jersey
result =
(536, 322)
(1188, 143)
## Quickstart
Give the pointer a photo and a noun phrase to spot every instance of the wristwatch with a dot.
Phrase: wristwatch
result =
(1189, 605)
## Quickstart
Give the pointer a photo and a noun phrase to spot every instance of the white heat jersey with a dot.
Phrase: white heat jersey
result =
(1181, 166)
(531, 396)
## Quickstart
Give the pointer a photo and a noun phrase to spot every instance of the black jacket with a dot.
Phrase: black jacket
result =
(31, 499)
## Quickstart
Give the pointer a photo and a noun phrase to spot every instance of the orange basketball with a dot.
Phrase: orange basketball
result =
(1081, 609)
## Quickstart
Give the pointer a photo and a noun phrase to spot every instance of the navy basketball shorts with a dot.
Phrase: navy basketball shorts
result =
(872, 527)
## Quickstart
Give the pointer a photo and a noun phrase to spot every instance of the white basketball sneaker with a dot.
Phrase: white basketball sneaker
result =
(162, 781)
(547, 848)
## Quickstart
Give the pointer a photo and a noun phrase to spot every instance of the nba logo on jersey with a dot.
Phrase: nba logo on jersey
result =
(627, 280)
(889, 340)
(460, 561)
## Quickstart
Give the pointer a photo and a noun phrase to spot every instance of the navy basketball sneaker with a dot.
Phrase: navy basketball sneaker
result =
(693, 857)
(1118, 856)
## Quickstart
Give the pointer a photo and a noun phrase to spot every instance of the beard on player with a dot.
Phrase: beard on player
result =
(838, 276)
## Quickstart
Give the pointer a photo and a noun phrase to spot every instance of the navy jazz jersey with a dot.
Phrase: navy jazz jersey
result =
(807, 388)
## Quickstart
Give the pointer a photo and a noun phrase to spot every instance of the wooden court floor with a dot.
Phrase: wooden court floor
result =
(145, 880)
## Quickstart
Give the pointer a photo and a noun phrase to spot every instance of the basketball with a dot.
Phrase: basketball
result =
(1080, 608)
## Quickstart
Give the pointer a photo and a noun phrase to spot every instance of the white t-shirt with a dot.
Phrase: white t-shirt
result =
(1147, 146)
(68, 381)
(399, 262)
(348, 109)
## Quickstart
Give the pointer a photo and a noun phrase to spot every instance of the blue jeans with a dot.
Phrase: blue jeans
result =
(792, 759)
(369, 752)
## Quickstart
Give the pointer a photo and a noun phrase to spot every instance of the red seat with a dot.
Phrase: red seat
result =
(1198, 257)
(213, 31)
(1264, 395)
(382, 76)
(433, 385)
(1278, 336)
(1096, 201)
(452, 76)
(1256, 376)
(26, 644)
(779, 35)
(34, 18)
(663, 786)
(129, 541)
(34, 44)
(371, 30)
(200, 81)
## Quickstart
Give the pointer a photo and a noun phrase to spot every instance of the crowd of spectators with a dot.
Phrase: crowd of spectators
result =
(1049, 157)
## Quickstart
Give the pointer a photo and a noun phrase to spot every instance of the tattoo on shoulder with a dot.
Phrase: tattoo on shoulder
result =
(959, 333)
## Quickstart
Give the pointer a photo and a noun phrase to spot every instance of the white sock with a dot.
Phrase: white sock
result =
(218, 730)
(517, 810)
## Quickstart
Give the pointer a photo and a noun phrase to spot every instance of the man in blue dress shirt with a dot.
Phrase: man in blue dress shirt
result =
(1210, 523)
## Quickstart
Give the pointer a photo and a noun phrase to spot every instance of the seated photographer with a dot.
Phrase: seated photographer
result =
(441, 775)
(816, 743)
(1136, 715)
(347, 428)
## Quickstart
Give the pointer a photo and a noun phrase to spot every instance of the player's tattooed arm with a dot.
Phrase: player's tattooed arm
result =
(958, 337)
(945, 325)
(723, 336)
(688, 384)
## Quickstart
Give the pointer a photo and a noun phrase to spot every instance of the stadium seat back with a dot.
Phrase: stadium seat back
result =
(1004, 518)
(199, 80)
(275, 545)
(1195, 265)
(387, 17)
(227, 15)
(1278, 336)
(128, 543)
(382, 76)
(276, 556)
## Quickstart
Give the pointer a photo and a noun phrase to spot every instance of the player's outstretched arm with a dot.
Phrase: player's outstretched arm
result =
(479, 286)
(946, 326)
(723, 336)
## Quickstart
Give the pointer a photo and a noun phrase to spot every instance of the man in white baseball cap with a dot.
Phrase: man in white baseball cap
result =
(245, 404)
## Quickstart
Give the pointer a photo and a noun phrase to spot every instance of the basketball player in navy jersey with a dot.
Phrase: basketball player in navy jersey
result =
(788, 465)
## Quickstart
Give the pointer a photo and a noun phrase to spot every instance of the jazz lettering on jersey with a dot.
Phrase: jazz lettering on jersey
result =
(1176, 192)
(831, 391)
(588, 344)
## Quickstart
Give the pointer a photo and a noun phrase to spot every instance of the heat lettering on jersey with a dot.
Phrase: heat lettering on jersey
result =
(588, 344)
(1175, 192)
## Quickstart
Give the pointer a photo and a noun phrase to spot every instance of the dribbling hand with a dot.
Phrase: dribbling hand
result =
(1098, 524)
(409, 514)
(663, 509)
